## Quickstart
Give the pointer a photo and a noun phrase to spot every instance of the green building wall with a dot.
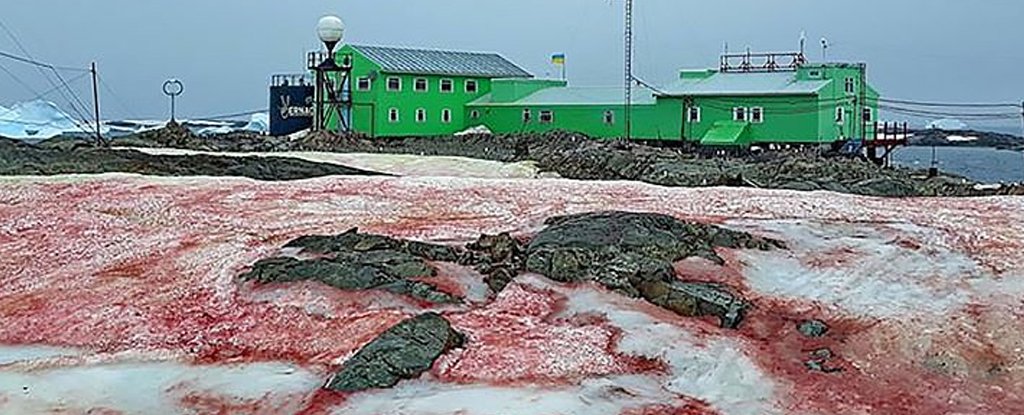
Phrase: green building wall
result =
(370, 109)
(798, 119)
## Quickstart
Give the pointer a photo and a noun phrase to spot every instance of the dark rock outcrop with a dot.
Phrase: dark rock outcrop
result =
(353, 262)
(71, 157)
(576, 156)
(633, 253)
(404, 351)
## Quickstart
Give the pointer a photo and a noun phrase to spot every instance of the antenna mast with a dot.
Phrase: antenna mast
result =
(629, 70)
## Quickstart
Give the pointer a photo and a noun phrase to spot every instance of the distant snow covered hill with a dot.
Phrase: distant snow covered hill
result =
(40, 120)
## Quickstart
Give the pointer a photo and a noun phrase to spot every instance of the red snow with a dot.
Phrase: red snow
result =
(121, 264)
(515, 340)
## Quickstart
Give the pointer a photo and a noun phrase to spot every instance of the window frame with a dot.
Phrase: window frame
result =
(451, 86)
(867, 115)
(399, 83)
(760, 115)
(527, 116)
(476, 86)
(416, 85)
(393, 115)
(474, 114)
(609, 117)
(446, 115)
(840, 115)
(693, 115)
(359, 84)
(739, 114)
(850, 86)
(550, 115)
(421, 115)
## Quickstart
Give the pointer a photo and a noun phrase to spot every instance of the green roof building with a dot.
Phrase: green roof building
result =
(409, 92)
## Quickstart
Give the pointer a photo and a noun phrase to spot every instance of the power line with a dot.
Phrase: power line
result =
(40, 64)
(234, 115)
(949, 104)
(117, 99)
(18, 80)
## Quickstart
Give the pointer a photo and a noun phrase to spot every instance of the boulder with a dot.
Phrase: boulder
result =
(404, 351)
(633, 253)
(353, 261)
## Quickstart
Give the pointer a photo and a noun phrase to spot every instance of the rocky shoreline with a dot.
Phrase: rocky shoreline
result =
(563, 154)
(76, 157)
(966, 138)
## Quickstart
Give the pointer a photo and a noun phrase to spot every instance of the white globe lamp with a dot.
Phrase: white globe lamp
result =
(331, 31)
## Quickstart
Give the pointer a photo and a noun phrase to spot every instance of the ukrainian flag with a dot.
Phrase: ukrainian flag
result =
(558, 59)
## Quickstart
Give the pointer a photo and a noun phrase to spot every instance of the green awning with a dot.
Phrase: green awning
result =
(727, 133)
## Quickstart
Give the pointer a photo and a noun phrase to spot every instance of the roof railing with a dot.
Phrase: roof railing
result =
(761, 62)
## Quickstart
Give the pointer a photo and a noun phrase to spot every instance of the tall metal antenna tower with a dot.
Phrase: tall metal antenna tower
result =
(628, 104)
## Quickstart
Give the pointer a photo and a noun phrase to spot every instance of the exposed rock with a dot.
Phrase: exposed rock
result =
(71, 157)
(576, 156)
(499, 257)
(352, 240)
(633, 253)
(404, 351)
(819, 362)
(813, 328)
(353, 261)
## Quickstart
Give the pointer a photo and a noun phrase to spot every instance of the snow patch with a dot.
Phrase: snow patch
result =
(715, 370)
(861, 269)
(961, 139)
(149, 387)
(24, 354)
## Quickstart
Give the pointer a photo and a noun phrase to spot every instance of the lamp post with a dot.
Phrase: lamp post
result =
(173, 88)
(332, 95)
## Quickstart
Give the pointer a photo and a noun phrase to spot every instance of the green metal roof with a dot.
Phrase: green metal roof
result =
(576, 96)
(440, 62)
(727, 133)
(745, 84)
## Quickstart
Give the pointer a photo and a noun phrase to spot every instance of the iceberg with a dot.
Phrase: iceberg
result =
(39, 120)
(947, 124)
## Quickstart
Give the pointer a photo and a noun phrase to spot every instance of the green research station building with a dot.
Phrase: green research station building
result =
(749, 100)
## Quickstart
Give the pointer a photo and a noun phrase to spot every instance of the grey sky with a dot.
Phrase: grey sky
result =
(225, 50)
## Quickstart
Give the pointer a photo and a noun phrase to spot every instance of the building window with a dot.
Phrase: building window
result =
(757, 115)
(526, 116)
(420, 85)
(446, 116)
(393, 115)
(447, 85)
(474, 114)
(394, 84)
(851, 86)
(609, 117)
(363, 84)
(693, 115)
(814, 74)
(547, 117)
(421, 115)
(739, 114)
(867, 114)
(471, 86)
(840, 115)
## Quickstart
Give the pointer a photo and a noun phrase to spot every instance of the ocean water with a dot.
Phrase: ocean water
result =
(987, 165)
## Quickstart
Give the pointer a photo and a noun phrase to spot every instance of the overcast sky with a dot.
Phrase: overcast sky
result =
(225, 50)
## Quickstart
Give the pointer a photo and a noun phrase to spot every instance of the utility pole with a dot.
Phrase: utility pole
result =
(96, 103)
(628, 107)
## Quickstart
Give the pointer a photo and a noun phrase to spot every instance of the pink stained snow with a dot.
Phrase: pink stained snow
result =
(923, 296)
